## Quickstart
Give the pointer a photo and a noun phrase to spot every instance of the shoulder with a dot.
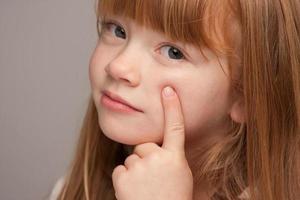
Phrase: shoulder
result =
(57, 188)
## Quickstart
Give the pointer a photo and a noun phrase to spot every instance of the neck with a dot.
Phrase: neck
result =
(195, 155)
(201, 188)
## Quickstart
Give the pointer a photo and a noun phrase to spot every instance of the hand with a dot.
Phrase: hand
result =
(158, 173)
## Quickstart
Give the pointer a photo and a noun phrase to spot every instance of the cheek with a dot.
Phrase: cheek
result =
(96, 66)
(205, 110)
(92, 69)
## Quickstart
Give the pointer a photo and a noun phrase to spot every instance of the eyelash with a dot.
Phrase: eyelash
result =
(105, 24)
(184, 57)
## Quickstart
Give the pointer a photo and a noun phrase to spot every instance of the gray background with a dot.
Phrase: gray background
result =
(45, 46)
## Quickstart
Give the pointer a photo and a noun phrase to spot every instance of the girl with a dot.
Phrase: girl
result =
(230, 131)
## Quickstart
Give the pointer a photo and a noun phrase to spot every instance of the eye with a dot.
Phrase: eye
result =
(114, 29)
(172, 52)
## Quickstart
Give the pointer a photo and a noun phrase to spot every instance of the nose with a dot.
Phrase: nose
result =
(125, 66)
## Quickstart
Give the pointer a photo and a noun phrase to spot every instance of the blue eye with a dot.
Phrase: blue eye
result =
(172, 52)
(114, 29)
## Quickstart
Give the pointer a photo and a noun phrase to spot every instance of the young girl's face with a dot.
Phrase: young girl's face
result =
(135, 63)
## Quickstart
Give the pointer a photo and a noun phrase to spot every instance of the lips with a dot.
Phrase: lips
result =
(119, 99)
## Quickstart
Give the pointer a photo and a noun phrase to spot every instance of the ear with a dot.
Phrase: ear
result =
(237, 113)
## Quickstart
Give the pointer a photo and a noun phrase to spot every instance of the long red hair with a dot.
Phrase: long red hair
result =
(261, 39)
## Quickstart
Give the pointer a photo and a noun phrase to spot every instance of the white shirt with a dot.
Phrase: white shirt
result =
(57, 188)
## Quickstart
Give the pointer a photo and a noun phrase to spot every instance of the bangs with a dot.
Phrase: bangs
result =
(202, 23)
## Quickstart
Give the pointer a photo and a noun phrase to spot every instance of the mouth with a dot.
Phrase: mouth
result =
(114, 101)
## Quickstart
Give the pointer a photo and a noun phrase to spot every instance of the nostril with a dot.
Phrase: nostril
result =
(106, 69)
(124, 79)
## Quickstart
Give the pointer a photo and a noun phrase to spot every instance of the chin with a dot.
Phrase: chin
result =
(127, 136)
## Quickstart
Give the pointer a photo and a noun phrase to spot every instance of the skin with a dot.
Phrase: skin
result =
(158, 173)
(138, 67)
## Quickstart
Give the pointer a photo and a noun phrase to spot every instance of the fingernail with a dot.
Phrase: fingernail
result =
(168, 91)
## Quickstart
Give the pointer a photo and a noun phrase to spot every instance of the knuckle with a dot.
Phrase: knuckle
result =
(117, 173)
(176, 127)
(128, 158)
(155, 157)
(139, 147)
(131, 160)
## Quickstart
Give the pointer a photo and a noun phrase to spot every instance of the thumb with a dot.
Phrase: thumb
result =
(174, 122)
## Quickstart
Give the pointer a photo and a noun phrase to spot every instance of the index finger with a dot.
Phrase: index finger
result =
(174, 135)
